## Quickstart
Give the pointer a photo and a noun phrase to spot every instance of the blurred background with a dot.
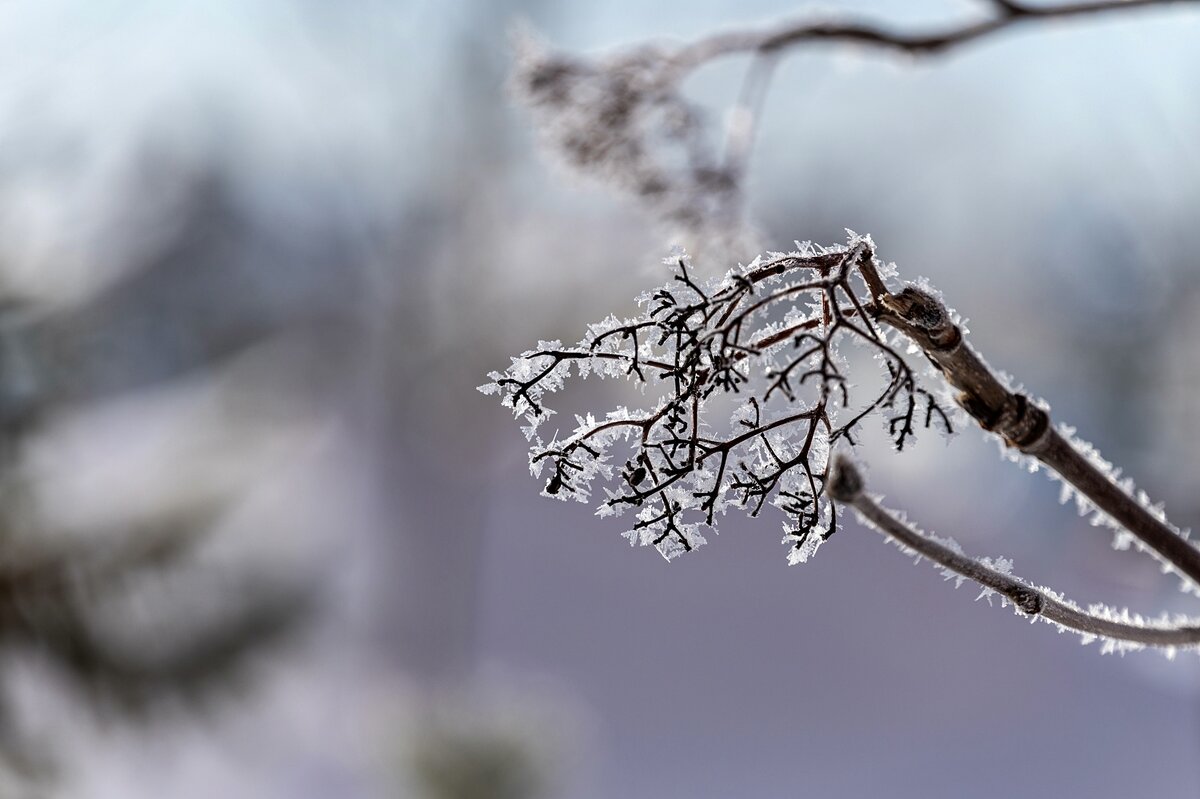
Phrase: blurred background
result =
(262, 537)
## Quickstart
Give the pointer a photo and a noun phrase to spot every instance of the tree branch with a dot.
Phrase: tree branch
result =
(1021, 423)
(932, 42)
(846, 485)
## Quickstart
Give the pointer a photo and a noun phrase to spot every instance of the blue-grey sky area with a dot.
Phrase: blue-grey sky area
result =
(355, 191)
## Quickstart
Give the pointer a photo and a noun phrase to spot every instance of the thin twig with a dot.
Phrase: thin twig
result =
(846, 485)
(743, 119)
(931, 42)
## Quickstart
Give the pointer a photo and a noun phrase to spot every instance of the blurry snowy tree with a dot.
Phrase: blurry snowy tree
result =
(123, 597)
(747, 379)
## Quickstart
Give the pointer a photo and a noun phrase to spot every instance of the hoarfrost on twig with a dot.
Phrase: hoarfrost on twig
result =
(766, 336)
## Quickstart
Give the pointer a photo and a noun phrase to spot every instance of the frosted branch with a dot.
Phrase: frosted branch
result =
(1120, 629)
(1024, 424)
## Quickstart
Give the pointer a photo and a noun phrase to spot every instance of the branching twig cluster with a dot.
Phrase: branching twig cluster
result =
(765, 336)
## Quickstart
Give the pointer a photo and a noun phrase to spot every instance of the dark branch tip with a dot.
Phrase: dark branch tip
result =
(845, 482)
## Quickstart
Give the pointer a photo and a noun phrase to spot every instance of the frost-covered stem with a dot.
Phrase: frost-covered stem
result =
(1058, 453)
(1020, 422)
(846, 486)
(774, 40)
